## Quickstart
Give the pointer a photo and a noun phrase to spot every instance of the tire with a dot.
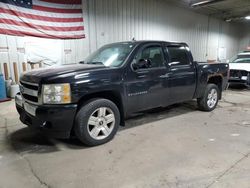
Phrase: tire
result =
(209, 100)
(97, 122)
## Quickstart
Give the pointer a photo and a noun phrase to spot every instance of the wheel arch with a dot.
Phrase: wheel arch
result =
(113, 96)
(217, 80)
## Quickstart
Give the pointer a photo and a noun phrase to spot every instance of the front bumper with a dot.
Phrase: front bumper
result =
(240, 81)
(241, 77)
(53, 120)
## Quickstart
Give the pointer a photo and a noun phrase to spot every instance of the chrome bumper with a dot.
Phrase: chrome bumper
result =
(29, 108)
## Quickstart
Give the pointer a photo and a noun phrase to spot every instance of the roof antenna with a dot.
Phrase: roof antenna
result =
(133, 39)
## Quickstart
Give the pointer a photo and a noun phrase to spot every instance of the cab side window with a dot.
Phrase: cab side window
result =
(154, 54)
(178, 56)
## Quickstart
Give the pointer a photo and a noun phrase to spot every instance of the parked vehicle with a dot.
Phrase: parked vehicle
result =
(240, 69)
(93, 98)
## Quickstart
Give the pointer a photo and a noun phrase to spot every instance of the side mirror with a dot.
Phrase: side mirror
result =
(142, 64)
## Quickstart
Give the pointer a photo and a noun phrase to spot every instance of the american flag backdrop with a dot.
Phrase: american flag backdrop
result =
(57, 19)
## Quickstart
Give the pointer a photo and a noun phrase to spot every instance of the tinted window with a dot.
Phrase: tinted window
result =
(178, 55)
(242, 59)
(154, 54)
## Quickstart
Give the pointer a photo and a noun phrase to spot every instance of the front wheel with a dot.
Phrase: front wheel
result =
(97, 122)
(210, 98)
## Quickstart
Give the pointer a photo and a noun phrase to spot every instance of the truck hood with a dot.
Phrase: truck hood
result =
(240, 66)
(35, 76)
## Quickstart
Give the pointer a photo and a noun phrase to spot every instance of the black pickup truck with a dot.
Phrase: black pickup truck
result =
(92, 98)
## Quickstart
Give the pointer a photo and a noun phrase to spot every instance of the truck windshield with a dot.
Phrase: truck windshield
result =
(112, 55)
(242, 59)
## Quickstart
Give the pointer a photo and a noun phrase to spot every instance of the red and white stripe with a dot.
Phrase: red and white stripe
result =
(48, 18)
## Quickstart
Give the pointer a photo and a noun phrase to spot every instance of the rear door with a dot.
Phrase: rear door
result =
(182, 80)
(148, 87)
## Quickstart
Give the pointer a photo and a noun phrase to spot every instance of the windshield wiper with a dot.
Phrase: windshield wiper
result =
(95, 63)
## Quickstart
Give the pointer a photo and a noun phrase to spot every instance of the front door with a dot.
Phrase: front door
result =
(147, 87)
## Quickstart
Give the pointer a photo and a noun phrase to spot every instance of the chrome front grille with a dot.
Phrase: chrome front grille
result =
(238, 73)
(29, 91)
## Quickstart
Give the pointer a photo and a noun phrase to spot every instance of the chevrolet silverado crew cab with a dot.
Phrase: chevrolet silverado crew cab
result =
(240, 69)
(92, 98)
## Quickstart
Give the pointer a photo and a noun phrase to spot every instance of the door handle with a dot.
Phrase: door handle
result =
(168, 75)
(142, 74)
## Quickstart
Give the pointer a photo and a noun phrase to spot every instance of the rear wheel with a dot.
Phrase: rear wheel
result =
(210, 98)
(97, 122)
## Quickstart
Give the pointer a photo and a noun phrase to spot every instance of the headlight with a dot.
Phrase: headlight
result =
(56, 94)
